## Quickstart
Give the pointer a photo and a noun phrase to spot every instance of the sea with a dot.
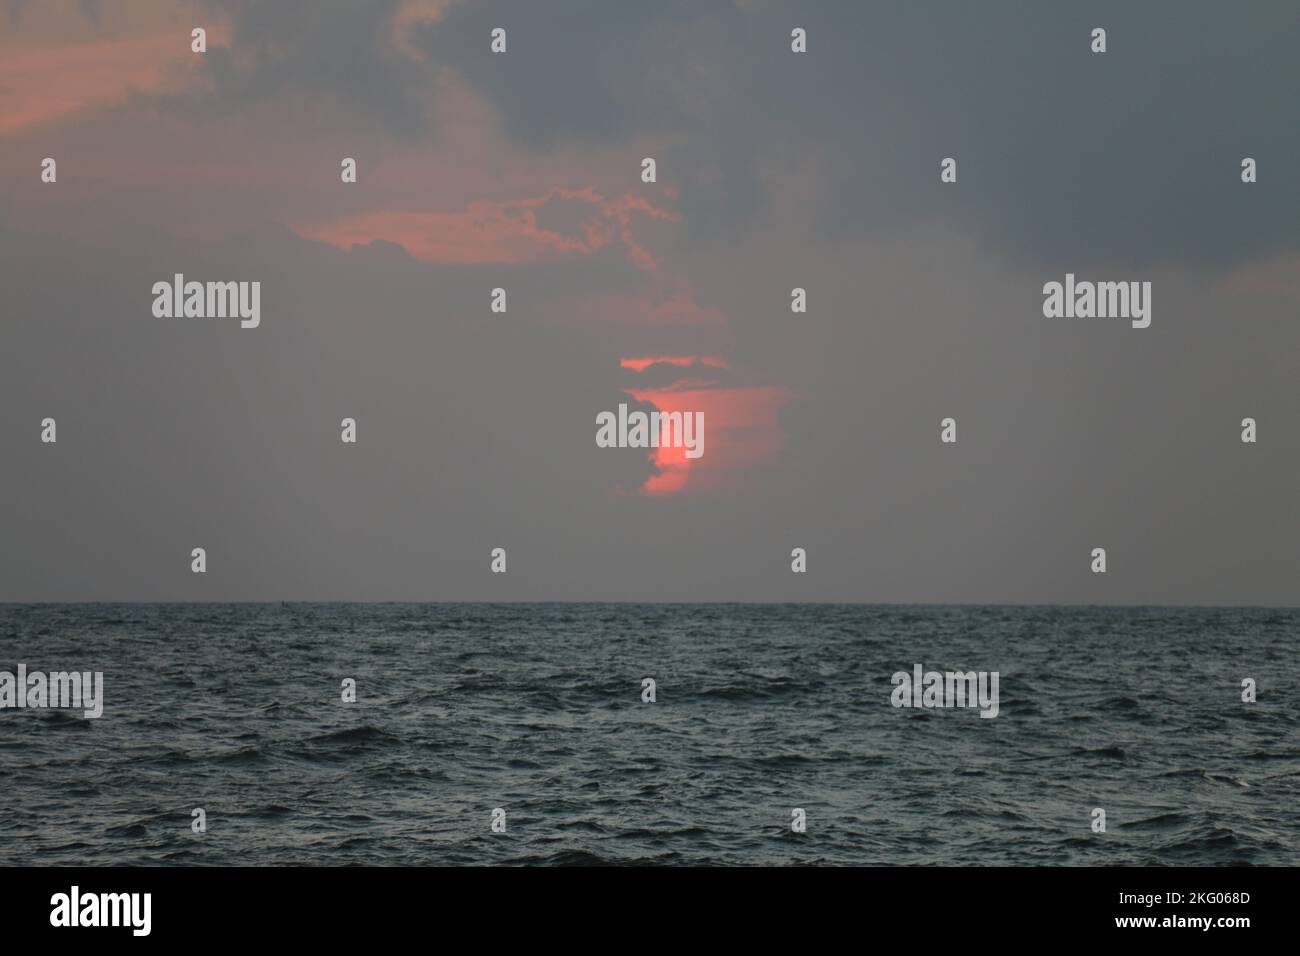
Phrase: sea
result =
(524, 734)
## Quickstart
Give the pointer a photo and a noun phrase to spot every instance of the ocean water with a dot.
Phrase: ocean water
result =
(536, 709)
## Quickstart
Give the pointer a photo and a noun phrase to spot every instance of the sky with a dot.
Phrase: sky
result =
(775, 170)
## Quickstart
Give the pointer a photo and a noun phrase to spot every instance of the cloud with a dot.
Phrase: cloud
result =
(504, 231)
(332, 53)
(56, 63)
(776, 171)
(742, 436)
(1065, 156)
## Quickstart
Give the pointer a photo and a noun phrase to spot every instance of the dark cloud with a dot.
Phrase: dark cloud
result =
(571, 69)
(332, 52)
(667, 374)
(1064, 156)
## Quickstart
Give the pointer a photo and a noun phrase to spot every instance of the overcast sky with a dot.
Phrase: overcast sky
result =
(775, 170)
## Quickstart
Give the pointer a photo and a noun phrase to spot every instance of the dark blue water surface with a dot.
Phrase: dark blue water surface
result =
(537, 709)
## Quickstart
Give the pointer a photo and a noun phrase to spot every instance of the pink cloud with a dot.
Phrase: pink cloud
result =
(52, 66)
(681, 361)
(742, 433)
(501, 231)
